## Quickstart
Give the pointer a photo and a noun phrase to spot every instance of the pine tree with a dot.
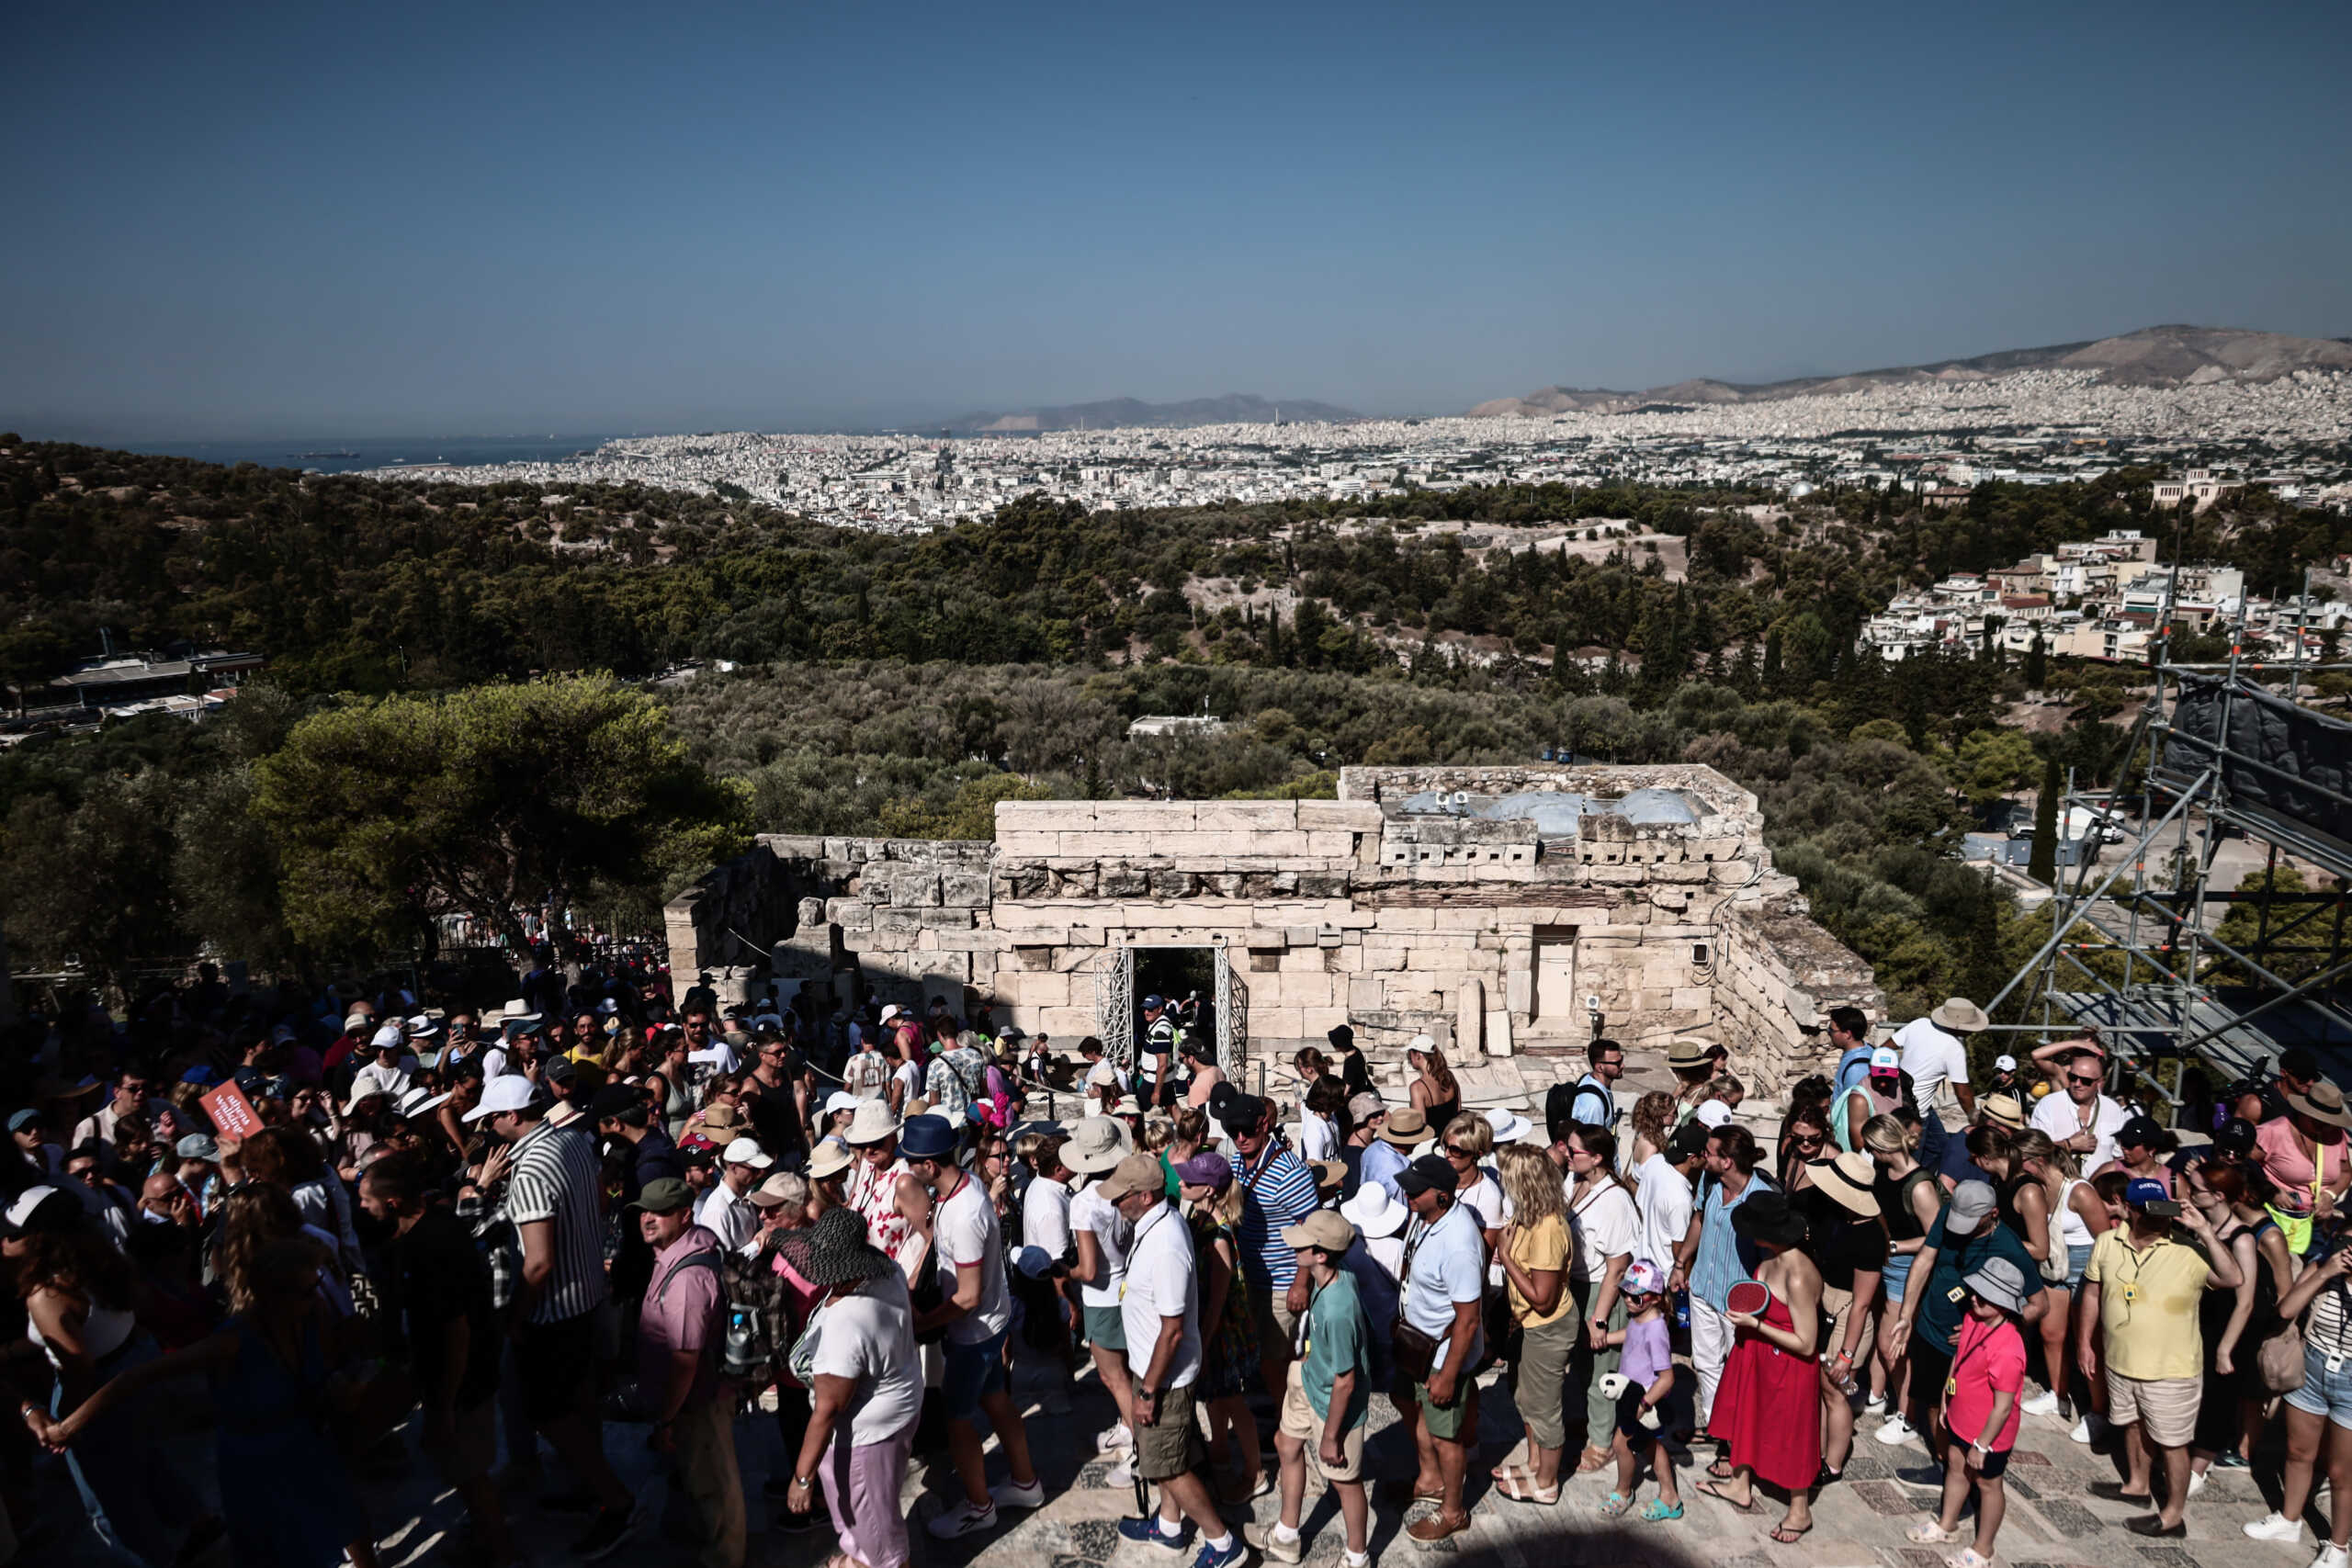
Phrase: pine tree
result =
(2043, 866)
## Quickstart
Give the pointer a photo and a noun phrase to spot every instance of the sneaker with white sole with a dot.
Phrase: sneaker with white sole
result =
(2331, 1556)
(1896, 1430)
(2090, 1428)
(2042, 1403)
(1874, 1403)
(2274, 1526)
(2196, 1482)
(1008, 1494)
(1114, 1439)
(1122, 1475)
(961, 1520)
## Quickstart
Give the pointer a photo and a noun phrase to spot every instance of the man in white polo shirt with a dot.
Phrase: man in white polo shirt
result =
(1935, 1055)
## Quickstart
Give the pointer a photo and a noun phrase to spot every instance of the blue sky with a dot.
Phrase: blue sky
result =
(253, 221)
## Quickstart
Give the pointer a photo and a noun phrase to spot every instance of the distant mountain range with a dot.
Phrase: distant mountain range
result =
(1234, 408)
(2154, 356)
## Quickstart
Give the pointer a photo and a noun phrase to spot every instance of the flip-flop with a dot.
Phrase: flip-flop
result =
(1787, 1536)
(1709, 1490)
(1720, 1470)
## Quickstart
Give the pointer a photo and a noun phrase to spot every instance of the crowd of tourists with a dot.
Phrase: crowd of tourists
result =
(356, 1218)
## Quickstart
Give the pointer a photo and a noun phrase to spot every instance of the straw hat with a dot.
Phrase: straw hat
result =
(2003, 1110)
(1405, 1127)
(1961, 1016)
(1848, 1179)
(2323, 1104)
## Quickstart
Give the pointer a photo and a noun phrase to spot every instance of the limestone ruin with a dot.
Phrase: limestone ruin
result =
(1501, 909)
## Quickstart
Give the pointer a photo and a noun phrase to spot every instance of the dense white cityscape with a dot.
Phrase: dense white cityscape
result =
(2037, 427)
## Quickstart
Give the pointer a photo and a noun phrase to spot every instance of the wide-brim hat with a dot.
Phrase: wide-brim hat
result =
(834, 1251)
(1961, 1016)
(927, 1137)
(1509, 1125)
(1850, 1179)
(1375, 1212)
(1691, 1051)
(2003, 1110)
(2323, 1104)
(1767, 1217)
(1097, 1143)
(57, 1088)
(830, 1159)
(1407, 1126)
(871, 1122)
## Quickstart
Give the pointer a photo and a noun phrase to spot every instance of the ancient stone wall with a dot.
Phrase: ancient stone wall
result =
(1639, 899)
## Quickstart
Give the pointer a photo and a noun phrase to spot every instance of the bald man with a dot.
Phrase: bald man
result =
(162, 1201)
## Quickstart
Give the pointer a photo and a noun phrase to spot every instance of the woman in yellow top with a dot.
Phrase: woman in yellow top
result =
(1534, 1255)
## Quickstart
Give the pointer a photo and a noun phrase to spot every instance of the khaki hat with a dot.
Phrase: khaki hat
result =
(2325, 1103)
(1961, 1016)
(1848, 1179)
(870, 1123)
(1136, 1173)
(772, 1193)
(1406, 1126)
(722, 1118)
(2003, 1110)
(1691, 1051)
(1097, 1143)
(1322, 1228)
(830, 1159)
(1330, 1174)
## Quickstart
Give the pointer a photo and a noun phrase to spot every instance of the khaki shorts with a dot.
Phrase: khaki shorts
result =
(2164, 1408)
(475, 1450)
(1300, 1421)
(1443, 1420)
(1835, 1304)
(1172, 1445)
(1277, 1325)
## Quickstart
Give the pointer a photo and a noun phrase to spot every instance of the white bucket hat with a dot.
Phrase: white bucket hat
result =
(1373, 1211)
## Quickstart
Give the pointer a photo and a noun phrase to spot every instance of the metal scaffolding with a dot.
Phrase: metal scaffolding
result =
(2219, 753)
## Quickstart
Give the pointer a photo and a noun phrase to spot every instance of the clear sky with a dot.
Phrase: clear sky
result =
(253, 220)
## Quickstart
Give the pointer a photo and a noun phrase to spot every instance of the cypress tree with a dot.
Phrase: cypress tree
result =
(2037, 663)
(2043, 866)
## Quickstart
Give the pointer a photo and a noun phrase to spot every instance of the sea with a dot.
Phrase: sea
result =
(343, 456)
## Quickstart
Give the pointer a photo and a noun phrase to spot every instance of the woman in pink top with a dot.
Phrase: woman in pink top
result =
(1981, 1411)
(2292, 1150)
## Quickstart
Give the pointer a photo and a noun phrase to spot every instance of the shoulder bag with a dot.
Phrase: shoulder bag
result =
(1413, 1352)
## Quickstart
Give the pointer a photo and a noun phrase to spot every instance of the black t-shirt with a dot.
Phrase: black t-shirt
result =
(775, 1121)
(441, 1276)
(1841, 1243)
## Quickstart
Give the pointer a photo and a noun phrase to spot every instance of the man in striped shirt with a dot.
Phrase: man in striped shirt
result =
(1277, 1191)
(553, 1188)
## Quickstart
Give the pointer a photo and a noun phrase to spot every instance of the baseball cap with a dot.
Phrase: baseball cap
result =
(747, 1151)
(19, 1120)
(2149, 1196)
(1712, 1115)
(1690, 1141)
(198, 1146)
(612, 1100)
(2140, 1129)
(1643, 1278)
(2005, 1063)
(772, 1194)
(1430, 1173)
(507, 1091)
(1208, 1168)
(1884, 1061)
(1971, 1203)
(1322, 1228)
(1136, 1173)
(664, 1195)
(1244, 1113)
(1153, 1003)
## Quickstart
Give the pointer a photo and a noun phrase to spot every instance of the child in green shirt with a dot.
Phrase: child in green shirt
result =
(1325, 1407)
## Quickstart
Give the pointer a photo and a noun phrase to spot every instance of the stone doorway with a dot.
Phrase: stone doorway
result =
(1559, 1017)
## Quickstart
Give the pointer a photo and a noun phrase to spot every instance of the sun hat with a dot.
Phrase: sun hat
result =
(1430, 1172)
(1690, 1051)
(1363, 1106)
(1208, 1168)
(1712, 1115)
(746, 1151)
(1373, 1211)
(423, 1026)
(507, 1091)
(1643, 1278)
(2003, 1110)
(1321, 1228)
(198, 1146)
(419, 1100)
(872, 1123)
(722, 1121)
(1330, 1174)
(1508, 1126)
(1971, 1204)
(1097, 1143)
(2148, 1195)
(834, 1251)
(1959, 1015)
(1850, 1179)
(2323, 1104)
(1406, 1126)
(830, 1159)
(663, 1195)
(927, 1137)
(1127, 1106)
(1886, 1062)
(1767, 1217)
(1136, 1173)
(2000, 1281)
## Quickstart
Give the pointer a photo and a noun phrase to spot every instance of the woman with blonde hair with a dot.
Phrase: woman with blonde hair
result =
(1653, 1122)
(1908, 1201)
(1434, 1090)
(1535, 1255)
(1466, 1142)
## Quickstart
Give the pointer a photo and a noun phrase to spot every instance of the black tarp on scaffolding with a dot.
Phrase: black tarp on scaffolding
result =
(2275, 751)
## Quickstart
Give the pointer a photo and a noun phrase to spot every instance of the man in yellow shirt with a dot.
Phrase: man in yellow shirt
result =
(2141, 1287)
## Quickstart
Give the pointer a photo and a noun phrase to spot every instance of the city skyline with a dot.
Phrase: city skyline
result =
(282, 224)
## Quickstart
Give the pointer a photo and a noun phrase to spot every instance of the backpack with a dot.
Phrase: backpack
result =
(757, 1311)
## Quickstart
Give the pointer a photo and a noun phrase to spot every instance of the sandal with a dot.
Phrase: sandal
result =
(1657, 1511)
(1615, 1503)
(1519, 1487)
(1720, 1470)
(1787, 1536)
(1709, 1489)
(1932, 1533)
(1594, 1459)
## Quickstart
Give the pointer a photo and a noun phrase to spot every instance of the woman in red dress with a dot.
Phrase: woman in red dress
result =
(1775, 1369)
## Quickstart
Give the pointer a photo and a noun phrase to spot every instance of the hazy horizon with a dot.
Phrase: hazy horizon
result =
(275, 218)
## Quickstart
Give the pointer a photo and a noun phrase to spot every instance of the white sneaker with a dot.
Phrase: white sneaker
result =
(2090, 1428)
(2331, 1556)
(2196, 1482)
(1875, 1402)
(1005, 1494)
(1896, 1430)
(2274, 1527)
(962, 1520)
(2042, 1403)
(1114, 1439)
(1122, 1475)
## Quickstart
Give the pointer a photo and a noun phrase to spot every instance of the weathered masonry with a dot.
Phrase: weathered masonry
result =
(1500, 909)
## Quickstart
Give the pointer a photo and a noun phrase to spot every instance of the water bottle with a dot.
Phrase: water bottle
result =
(1682, 1308)
(742, 1355)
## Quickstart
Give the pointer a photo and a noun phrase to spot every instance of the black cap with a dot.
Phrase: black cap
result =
(1243, 1113)
(1341, 1037)
(2141, 1130)
(1690, 1141)
(1430, 1173)
(614, 1099)
(2234, 1140)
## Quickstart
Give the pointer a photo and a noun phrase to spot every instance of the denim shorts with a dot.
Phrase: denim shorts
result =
(1896, 1273)
(2076, 1256)
(2327, 1390)
(972, 1372)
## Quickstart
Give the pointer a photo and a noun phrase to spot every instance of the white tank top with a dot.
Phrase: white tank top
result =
(106, 1330)
(2071, 1228)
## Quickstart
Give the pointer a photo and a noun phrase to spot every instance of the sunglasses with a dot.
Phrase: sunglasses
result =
(1807, 1141)
(1455, 1151)
(2074, 1079)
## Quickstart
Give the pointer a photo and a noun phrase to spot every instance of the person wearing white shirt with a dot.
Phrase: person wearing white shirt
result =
(1936, 1060)
(1663, 1193)
(2082, 1119)
(1607, 1225)
(724, 1213)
